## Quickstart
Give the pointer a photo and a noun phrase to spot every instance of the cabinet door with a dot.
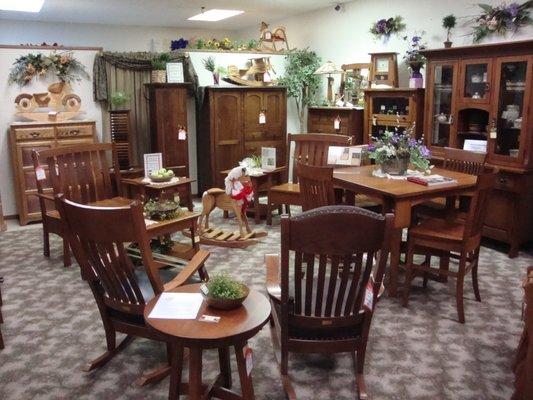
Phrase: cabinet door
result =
(228, 136)
(276, 115)
(254, 105)
(441, 98)
(510, 109)
(475, 82)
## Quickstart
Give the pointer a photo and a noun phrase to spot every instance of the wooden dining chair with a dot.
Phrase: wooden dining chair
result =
(322, 292)
(99, 238)
(316, 186)
(310, 149)
(447, 239)
(79, 172)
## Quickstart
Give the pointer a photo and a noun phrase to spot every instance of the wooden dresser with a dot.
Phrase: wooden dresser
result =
(168, 114)
(350, 121)
(231, 129)
(27, 136)
(484, 93)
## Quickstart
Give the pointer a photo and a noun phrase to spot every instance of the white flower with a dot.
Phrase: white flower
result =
(492, 24)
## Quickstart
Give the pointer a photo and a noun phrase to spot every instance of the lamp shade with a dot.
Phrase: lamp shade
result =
(328, 68)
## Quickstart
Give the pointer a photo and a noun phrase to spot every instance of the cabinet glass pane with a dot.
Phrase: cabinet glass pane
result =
(475, 81)
(390, 105)
(510, 107)
(379, 130)
(442, 105)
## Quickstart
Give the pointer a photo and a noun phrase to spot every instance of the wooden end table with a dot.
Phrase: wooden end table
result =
(145, 188)
(234, 329)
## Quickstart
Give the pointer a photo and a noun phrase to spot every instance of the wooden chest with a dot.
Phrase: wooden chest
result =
(349, 121)
(27, 136)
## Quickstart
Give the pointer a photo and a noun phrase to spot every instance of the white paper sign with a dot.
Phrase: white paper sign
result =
(175, 72)
(182, 134)
(479, 146)
(268, 158)
(345, 155)
(177, 306)
(153, 162)
(337, 123)
(40, 174)
(262, 118)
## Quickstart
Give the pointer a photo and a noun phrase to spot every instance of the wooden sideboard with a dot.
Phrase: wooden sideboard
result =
(396, 108)
(350, 121)
(484, 93)
(27, 136)
(168, 114)
(231, 128)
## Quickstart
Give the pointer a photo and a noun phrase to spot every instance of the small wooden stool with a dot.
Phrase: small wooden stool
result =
(234, 329)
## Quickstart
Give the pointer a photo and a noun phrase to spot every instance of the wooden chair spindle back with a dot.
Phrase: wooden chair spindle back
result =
(316, 186)
(467, 162)
(478, 205)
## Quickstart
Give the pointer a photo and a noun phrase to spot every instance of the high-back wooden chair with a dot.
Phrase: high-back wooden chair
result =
(121, 291)
(447, 238)
(323, 296)
(309, 149)
(79, 172)
(316, 186)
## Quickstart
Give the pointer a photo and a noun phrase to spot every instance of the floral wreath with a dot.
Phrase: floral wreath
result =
(384, 28)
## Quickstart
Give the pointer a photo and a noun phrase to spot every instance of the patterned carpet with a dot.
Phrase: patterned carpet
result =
(52, 327)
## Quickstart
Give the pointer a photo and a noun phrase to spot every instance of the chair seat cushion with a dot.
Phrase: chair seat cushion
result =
(286, 187)
(435, 228)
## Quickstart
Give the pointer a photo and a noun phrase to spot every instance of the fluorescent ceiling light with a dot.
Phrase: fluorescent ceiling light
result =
(21, 5)
(214, 15)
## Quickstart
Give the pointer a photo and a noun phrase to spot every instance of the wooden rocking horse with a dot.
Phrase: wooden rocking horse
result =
(268, 38)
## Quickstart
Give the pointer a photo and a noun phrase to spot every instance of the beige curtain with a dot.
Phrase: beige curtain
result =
(132, 83)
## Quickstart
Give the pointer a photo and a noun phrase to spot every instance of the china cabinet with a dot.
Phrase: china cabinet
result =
(483, 94)
(393, 109)
(337, 120)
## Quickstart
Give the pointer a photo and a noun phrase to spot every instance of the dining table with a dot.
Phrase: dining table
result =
(399, 196)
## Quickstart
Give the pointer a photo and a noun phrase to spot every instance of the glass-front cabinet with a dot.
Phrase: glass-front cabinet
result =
(510, 109)
(475, 81)
(441, 103)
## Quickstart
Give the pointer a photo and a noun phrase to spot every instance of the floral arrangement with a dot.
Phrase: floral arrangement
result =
(159, 63)
(501, 19)
(225, 44)
(181, 43)
(384, 28)
(161, 210)
(414, 46)
(63, 65)
(392, 146)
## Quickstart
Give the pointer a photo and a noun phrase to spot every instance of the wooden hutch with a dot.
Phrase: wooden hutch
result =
(483, 93)
(236, 122)
(395, 108)
(336, 120)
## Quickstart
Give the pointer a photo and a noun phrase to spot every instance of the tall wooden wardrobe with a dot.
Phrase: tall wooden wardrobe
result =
(232, 128)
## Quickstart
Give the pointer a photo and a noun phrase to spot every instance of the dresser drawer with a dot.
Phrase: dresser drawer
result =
(70, 131)
(34, 133)
(509, 182)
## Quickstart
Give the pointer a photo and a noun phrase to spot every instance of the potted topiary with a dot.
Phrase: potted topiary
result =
(159, 68)
(448, 23)
(209, 64)
(224, 293)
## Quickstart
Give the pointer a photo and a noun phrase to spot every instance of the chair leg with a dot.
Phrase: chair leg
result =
(427, 262)
(112, 350)
(46, 241)
(409, 274)
(269, 211)
(475, 260)
(288, 209)
(459, 289)
(358, 358)
(1, 341)
(66, 254)
(444, 265)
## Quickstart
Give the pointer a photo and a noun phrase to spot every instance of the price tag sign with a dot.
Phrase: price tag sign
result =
(262, 118)
(493, 133)
(369, 296)
(337, 123)
(268, 35)
(182, 134)
(248, 357)
(40, 174)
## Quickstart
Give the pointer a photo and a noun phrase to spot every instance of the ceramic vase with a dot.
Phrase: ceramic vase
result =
(395, 166)
(216, 78)
(416, 80)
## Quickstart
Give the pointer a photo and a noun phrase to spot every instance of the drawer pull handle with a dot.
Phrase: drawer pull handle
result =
(74, 132)
(35, 134)
(503, 180)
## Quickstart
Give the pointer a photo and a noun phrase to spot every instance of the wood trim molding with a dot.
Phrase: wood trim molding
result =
(37, 47)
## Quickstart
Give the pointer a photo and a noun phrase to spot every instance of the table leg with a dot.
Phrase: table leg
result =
(396, 242)
(176, 367)
(246, 380)
(225, 366)
(189, 197)
(195, 374)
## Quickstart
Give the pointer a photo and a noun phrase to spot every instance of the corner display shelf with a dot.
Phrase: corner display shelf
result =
(484, 93)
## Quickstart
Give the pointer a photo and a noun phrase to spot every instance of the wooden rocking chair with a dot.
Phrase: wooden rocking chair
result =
(328, 307)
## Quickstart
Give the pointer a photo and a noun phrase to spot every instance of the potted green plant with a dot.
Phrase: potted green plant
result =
(300, 79)
(448, 23)
(224, 293)
(209, 64)
(118, 100)
(159, 68)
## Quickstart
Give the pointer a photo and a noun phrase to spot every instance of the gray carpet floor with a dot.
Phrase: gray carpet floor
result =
(52, 327)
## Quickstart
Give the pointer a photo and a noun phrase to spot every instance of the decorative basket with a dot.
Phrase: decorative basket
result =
(226, 304)
(158, 76)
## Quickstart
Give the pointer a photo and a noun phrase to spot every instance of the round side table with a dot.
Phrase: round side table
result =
(234, 329)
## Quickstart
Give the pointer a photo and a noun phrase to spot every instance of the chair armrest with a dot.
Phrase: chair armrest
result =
(272, 263)
(190, 269)
(45, 196)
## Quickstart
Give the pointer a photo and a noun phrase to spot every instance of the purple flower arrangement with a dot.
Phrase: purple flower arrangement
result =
(501, 19)
(415, 44)
(386, 27)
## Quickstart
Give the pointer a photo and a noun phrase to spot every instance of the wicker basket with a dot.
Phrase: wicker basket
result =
(159, 76)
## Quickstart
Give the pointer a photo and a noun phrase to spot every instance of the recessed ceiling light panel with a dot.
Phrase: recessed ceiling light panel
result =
(22, 5)
(214, 15)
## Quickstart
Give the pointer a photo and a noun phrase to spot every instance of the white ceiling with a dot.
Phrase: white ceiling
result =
(166, 13)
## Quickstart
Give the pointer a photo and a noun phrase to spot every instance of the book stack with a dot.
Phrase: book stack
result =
(431, 180)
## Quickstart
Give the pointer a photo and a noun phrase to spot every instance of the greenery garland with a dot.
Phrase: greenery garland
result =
(63, 65)
(384, 28)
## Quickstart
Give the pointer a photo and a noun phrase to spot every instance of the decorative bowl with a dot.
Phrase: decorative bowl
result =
(226, 304)
(153, 178)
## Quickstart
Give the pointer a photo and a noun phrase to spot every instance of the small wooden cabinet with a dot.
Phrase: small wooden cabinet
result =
(350, 121)
(389, 109)
(232, 128)
(26, 137)
(168, 115)
(484, 93)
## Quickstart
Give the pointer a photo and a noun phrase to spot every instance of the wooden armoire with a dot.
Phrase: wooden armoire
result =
(168, 114)
(232, 128)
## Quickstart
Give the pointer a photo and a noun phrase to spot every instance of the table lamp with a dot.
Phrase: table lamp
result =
(329, 68)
